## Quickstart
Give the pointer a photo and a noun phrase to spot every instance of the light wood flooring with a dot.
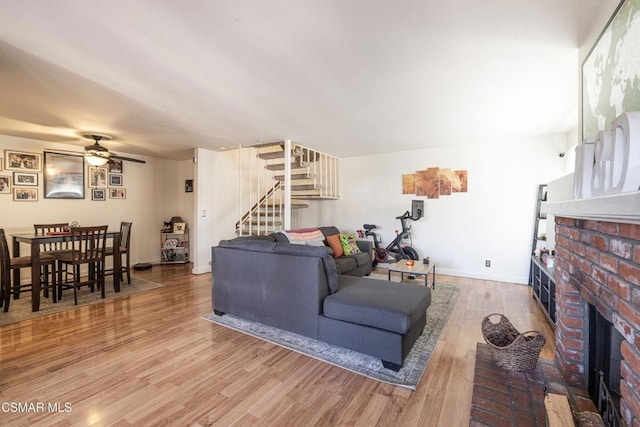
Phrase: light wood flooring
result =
(152, 360)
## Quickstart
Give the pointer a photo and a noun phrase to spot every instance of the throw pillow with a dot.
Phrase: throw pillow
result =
(334, 243)
(303, 235)
(349, 244)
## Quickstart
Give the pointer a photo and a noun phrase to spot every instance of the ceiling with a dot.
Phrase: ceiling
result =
(347, 77)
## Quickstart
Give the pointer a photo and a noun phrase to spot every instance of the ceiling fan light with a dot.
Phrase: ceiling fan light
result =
(96, 160)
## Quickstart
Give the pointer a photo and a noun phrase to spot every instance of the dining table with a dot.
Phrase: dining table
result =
(36, 240)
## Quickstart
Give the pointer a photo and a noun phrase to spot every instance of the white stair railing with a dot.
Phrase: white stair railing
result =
(275, 178)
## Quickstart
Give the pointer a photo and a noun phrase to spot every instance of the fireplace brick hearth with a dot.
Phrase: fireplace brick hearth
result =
(598, 263)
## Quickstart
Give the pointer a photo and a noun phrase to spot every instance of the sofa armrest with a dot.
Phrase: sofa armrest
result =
(365, 245)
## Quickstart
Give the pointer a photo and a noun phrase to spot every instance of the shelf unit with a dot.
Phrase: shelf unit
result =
(540, 224)
(174, 248)
(542, 282)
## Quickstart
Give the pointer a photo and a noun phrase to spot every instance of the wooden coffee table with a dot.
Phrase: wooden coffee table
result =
(417, 269)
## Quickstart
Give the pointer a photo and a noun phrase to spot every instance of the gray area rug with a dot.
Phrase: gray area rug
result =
(442, 302)
(20, 309)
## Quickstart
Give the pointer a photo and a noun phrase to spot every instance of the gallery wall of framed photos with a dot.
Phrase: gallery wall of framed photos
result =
(25, 176)
(107, 181)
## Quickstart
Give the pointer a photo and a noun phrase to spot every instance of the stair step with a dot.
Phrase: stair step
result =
(275, 211)
(270, 155)
(313, 197)
(280, 166)
(270, 144)
(296, 176)
(263, 223)
(306, 187)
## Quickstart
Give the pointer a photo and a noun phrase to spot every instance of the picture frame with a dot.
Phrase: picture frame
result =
(25, 179)
(601, 78)
(188, 186)
(179, 227)
(115, 180)
(28, 194)
(63, 176)
(97, 177)
(98, 194)
(5, 184)
(115, 166)
(117, 193)
(22, 161)
(0, 163)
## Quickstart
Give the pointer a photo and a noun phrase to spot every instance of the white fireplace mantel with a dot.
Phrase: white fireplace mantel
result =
(623, 207)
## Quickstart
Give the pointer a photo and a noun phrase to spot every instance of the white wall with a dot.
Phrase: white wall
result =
(155, 192)
(492, 221)
(216, 207)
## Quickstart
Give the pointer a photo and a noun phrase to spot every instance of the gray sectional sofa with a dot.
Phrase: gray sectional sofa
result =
(298, 288)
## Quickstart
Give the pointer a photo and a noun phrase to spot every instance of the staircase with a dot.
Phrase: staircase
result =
(279, 180)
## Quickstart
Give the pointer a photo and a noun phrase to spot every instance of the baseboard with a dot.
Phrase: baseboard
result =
(201, 270)
(483, 276)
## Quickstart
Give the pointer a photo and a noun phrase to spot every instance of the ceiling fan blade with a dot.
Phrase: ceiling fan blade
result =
(128, 159)
(104, 155)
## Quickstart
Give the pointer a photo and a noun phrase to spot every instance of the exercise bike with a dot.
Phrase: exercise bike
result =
(395, 249)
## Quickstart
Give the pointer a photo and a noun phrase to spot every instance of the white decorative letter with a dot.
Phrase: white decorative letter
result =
(584, 169)
(602, 165)
(625, 158)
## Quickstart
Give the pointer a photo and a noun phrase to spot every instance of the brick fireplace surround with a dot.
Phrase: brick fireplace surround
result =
(598, 263)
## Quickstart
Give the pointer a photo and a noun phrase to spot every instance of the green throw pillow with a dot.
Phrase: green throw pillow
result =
(349, 244)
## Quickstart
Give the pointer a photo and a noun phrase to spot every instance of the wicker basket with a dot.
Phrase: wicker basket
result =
(511, 350)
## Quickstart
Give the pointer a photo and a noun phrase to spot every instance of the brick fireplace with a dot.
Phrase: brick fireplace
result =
(598, 264)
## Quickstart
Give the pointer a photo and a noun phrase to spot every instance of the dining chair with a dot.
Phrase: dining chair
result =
(8, 264)
(52, 248)
(87, 248)
(57, 228)
(124, 249)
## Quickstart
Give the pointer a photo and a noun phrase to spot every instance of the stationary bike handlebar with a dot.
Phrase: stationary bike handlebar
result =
(405, 215)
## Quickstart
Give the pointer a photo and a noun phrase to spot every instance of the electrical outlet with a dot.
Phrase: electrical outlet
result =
(487, 263)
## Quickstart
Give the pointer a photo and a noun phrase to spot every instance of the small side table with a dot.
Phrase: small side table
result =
(417, 269)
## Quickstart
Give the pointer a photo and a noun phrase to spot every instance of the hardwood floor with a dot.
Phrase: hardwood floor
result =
(152, 360)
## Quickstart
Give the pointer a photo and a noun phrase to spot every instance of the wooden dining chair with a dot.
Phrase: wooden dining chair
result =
(8, 264)
(124, 249)
(52, 248)
(87, 248)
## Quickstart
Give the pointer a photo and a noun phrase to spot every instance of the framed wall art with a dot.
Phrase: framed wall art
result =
(117, 193)
(97, 177)
(459, 184)
(409, 183)
(25, 179)
(63, 176)
(25, 194)
(445, 177)
(609, 81)
(22, 161)
(115, 179)
(99, 194)
(115, 166)
(5, 184)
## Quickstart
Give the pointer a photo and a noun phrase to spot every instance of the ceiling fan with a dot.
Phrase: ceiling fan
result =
(97, 155)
